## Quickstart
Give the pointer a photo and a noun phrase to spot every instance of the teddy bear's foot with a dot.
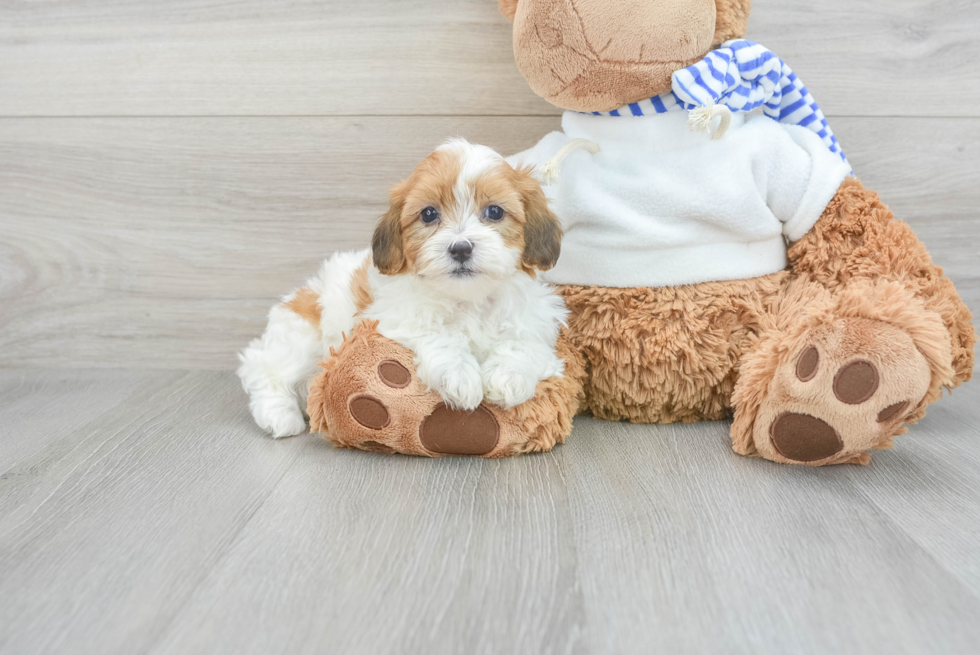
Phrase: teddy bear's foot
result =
(843, 391)
(369, 397)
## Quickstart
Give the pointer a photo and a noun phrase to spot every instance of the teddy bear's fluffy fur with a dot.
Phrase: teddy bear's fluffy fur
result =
(821, 363)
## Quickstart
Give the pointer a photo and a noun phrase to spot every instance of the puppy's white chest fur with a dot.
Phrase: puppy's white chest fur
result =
(519, 309)
(496, 346)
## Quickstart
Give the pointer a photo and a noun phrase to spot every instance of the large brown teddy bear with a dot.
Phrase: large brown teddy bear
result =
(823, 338)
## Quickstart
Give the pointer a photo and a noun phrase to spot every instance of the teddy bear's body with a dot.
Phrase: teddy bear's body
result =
(750, 277)
(821, 347)
(888, 333)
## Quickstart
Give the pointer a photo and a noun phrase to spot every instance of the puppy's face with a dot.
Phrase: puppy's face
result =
(464, 220)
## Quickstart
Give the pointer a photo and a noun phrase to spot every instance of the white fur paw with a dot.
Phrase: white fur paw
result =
(507, 387)
(461, 387)
(280, 421)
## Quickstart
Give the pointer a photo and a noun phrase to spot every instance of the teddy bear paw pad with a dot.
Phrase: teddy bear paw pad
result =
(804, 438)
(369, 412)
(455, 432)
(394, 374)
(843, 393)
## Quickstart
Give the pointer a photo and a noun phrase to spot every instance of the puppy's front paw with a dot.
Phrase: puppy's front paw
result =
(461, 387)
(507, 387)
(279, 419)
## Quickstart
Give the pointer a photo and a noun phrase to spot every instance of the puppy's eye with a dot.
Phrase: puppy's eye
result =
(493, 213)
(429, 215)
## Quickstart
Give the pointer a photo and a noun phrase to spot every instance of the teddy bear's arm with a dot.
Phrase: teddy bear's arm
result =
(797, 173)
(541, 152)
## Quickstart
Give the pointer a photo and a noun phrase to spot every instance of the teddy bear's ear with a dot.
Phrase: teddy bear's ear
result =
(508, 8)
(732, 19)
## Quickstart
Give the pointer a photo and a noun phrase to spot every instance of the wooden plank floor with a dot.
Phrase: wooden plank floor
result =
(145, 513)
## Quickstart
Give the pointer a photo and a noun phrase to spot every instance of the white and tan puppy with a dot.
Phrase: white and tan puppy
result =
(450, 275)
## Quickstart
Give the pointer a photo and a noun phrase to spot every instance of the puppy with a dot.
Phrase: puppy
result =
(450, 275)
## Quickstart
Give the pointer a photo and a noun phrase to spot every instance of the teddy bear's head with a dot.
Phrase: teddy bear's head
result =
(600, 55)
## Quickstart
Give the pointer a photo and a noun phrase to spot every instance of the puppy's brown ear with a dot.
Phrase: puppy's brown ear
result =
(386, 244)
(542, 229)
(508, 8)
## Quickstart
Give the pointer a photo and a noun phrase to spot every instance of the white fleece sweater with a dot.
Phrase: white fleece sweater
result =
(660, 205)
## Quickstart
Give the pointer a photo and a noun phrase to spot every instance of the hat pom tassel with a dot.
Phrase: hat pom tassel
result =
(700, 119)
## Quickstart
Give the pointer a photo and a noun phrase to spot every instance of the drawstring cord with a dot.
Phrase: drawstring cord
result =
(699, 120)
(550, 171)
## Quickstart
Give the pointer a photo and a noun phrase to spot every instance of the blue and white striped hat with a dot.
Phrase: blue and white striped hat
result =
(741, 75)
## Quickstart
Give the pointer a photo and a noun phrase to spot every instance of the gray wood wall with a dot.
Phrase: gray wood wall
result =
(168, 168)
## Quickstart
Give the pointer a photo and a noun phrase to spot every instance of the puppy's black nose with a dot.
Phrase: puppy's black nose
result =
(461, 251)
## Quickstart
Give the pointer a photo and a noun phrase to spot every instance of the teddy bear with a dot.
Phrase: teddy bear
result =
(717, 262)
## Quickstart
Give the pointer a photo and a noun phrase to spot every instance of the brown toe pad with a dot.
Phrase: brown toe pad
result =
(394, 374)
(804, 438)
(856, 382)
(892, 411)
(453, 432)
(369, 412)
(808, 364)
